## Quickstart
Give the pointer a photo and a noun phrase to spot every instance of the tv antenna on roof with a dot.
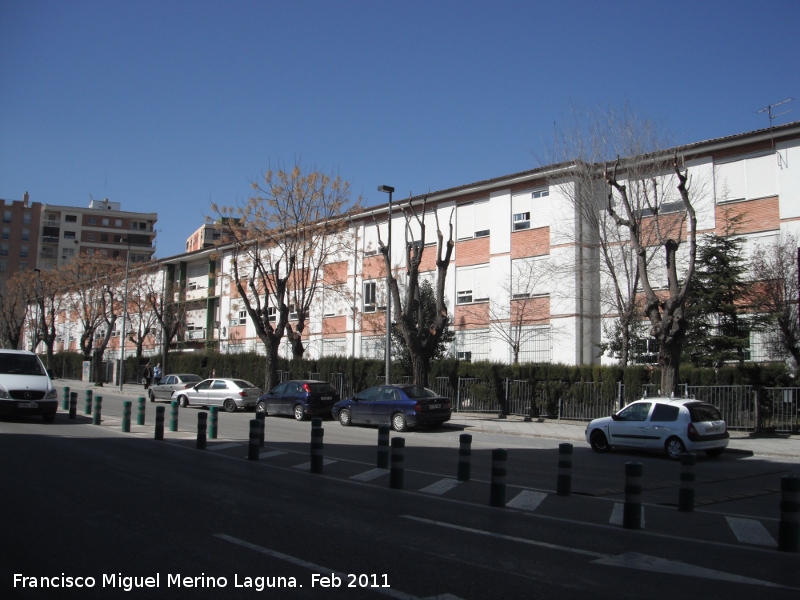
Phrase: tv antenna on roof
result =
(768, 110)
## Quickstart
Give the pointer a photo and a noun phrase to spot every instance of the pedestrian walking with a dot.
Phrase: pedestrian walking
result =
(147, 375)
(157, 373)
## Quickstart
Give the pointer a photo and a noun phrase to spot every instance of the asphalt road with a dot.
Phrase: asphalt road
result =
(89, 501)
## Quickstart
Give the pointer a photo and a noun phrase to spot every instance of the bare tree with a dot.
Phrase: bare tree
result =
(515, 323)
(16, 294)
(422, 344)
(166, 301)
(49, 286)
(774, 292)
(281, 239)
(142, 318)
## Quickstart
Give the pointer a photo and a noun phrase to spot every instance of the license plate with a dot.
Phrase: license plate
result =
(327, 397)
(714, 429)
(434, 406)
(28, 405)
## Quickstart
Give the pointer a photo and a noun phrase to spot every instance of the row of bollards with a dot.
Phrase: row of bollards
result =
(789, 525)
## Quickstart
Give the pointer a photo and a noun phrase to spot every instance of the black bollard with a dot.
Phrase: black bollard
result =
(73, 405)
(317, 434)
(173, 416)
(126, 416)
(65, 400)
(252, 446)
(632, 509)
(202, 427)
(159, 430)
(789, 525)
(397, 468)
(497, 489)
(564, 482)
(213, 422)
(464, 456)
(686, 491)
(261, 427)
(98, 408)
(140, 411)
(87, 406)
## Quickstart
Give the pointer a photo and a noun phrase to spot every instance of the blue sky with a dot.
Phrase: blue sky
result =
(166, 106)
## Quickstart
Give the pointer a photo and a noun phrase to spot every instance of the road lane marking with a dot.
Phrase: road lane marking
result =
(616, 514)
(441, 487)
(224, 446)
(631, 560)
(272, 454)
(370, 475)
(307, 466)
(392, 593)
(527, 500)
(750, 531)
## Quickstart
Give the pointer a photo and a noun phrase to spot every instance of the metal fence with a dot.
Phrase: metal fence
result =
(779, 409)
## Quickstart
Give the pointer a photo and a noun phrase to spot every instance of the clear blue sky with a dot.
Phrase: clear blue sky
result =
(166, 106)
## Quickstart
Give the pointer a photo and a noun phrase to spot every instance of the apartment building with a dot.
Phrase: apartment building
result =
(101, 229)
(524, 256)
(20, 235)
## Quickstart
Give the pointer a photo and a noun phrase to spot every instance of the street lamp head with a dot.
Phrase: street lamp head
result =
(386, 189)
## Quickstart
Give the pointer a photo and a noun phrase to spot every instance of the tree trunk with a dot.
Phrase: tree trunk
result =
(421, 369)
(271, 378)
(669, 359)
(97, 365)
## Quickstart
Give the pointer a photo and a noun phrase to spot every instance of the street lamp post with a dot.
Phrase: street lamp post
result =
(124, 317)
(35, 341)
(388, 189)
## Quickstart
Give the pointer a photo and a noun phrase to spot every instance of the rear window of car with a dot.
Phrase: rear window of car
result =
(417, 391)
(322, 388)
(243, 384)
(20, 364)
(190, 378)
(703, 412)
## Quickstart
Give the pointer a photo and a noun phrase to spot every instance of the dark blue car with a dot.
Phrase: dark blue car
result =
(401, 406)
(299, 398)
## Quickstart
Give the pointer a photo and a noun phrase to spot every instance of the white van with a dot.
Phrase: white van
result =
(25, 386)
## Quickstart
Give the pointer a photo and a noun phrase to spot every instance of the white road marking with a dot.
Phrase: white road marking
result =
(272, 454)
(392, 593)
(441, 487)
(631, 560)
(527, 500)
(616, 514)
(224, 446)
(370, 475)
(307, 466)
(750, 531)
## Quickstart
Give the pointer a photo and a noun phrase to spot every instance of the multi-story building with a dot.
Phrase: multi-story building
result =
(102, 229)
(209, 234)
(20, 235)
(521, 247)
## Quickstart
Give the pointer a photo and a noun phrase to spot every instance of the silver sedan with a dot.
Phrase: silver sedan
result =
(162, 389)
(230, 394)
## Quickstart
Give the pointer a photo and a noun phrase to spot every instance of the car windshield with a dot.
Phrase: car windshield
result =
(20, 364)
(243, 384)
(322, 388)
(417, 391)
(703, 412)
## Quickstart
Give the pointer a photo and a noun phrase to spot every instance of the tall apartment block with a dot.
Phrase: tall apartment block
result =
(20, 235)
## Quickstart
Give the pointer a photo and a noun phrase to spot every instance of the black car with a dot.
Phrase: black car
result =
(401, 406)
(299, 398)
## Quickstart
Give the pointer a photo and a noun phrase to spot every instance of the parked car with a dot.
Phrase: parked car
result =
(299, 398)
(401, 406)
(230, 394)
(675, 425)
(25, 386)
(162, 389)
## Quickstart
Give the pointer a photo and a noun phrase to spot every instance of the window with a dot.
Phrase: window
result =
(26, 235)
(522, 221)
(89, 237)
(90, 252)
(746, 178)
(67, 253)
(138, 225)
(665, 412)
(242, 318)
(6, 233)
(272, 314)
(23, 251)
(3, 249)
(472, 284)
(472, 219)
(636, 412)
(118, 223)
(26, 218)
(23, 266)
(91, 221)
(3, 266)
(105, 222)
(103, 237)
(466, 356)
(370, 290)
(69, 235)
(292, 312)
(7, 216)
(71, 219)
(541, 194)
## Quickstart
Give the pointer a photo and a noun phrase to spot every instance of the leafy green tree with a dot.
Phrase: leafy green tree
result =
(424, 321)
(717, 331)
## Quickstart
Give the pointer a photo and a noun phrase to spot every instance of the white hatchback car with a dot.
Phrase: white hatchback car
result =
(675, 425)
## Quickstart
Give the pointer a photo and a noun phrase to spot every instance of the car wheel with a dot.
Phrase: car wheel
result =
(261, 408)
(674, 448)
(599, 442)
(399, 422)
(299, 413)
(49, 417)
(151, 395)
(714, 452)
(344, 417)
(183, 401)
(229, 405)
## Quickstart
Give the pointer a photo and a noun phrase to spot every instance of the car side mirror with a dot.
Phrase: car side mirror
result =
(616, 417)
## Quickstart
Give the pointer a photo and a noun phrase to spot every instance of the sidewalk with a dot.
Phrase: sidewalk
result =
(777, 445)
